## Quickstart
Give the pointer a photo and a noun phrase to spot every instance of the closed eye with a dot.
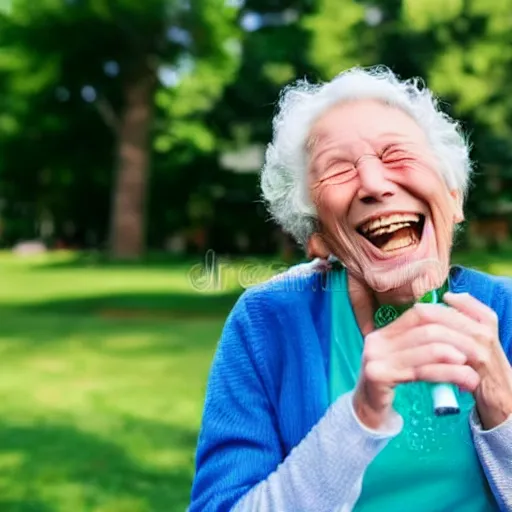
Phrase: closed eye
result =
(339, 175)
(396, 155)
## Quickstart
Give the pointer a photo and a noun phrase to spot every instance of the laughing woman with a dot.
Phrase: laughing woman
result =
(320, 396)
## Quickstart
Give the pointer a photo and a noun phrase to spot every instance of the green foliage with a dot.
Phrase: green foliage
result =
(220, 77)
(64, 68)
(337, 31)
(422, 15)
(201, 78)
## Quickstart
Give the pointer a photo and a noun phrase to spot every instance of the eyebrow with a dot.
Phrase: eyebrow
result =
(392, 135)
(314, 140)
(313, 163)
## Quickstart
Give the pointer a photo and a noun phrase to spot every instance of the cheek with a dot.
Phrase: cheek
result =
(332, 204)
(422, 180)
(331, 199)
(428, 185)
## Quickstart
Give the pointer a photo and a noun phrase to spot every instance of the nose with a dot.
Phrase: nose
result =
(374, 185)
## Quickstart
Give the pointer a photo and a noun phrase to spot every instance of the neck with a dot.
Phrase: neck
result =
(366, 301)
(399, 296)
(363, 303)
(431, 278)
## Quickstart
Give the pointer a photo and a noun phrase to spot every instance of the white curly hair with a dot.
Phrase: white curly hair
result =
(283, 177)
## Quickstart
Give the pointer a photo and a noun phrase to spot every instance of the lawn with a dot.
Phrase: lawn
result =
(102, 381)
(103, 377)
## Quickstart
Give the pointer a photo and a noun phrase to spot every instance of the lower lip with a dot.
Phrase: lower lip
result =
(404, 255)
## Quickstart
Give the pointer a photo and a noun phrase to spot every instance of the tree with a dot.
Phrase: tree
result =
(123, 57)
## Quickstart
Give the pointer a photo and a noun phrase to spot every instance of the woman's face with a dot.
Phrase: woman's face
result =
(383, 207)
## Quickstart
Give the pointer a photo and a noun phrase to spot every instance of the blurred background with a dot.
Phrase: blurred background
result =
(131, 135)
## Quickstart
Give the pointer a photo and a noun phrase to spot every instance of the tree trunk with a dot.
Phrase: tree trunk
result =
(128, 209)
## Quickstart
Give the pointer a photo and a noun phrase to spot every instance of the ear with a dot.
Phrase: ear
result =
(317, 247)
(458, 210)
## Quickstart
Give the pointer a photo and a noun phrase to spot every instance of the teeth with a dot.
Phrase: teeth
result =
(390, 229)
(392, 245)
(400, 243)
(388, 220)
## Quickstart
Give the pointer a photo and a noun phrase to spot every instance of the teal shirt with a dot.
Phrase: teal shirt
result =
(432, 464)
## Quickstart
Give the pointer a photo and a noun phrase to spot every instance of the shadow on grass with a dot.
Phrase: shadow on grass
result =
(137, 305)
(54, 460)
(24, 506)
(181, 305)
(154, 261)
(78, 260)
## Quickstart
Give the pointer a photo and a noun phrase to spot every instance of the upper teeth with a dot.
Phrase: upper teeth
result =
(388, 223)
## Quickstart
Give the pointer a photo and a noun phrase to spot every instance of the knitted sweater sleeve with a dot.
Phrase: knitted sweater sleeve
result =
(240, 463)
(494, 447)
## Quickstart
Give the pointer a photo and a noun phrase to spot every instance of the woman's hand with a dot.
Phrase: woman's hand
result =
(435, 343)
(493, 395)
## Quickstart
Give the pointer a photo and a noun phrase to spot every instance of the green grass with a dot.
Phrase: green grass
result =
(102, 382)
(103, 376)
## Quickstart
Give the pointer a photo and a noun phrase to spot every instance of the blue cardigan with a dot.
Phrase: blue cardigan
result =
(268, 384)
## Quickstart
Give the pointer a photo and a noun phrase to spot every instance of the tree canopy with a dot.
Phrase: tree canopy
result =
(117, 115)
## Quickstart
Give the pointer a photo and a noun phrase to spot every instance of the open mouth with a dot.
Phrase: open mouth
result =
(393, 232)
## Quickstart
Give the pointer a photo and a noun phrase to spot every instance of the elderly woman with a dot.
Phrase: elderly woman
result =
(320, 397)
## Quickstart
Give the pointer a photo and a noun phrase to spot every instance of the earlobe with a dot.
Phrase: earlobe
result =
(317, 247)
(458, 215)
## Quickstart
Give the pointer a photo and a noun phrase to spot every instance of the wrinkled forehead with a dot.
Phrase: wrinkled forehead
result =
(372, 120)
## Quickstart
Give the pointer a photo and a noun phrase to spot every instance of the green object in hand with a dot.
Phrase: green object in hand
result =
(443, 395)
(387, 313)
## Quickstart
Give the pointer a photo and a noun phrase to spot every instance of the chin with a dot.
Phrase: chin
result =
(407, 282)
(400, 255)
